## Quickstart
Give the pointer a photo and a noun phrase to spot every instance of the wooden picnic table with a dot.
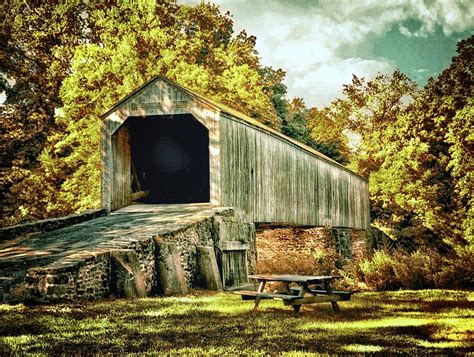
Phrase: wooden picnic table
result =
(308, 290)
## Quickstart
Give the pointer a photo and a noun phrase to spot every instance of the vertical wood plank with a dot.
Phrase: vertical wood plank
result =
(274, 181)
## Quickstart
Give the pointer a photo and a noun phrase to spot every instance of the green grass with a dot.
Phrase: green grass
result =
(411, 322)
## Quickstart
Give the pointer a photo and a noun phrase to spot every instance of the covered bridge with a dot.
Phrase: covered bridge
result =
(167, 144)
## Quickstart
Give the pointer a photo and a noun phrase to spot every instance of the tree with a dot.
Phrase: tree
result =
(276, 90)
(432, 151)
(417, 153)
(330, 134)
(77, 59)
(298, 122)
(35, 58)
(369, 109)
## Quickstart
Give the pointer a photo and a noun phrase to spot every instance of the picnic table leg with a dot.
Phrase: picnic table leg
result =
(258, 298)
(304, 289)
(327, 287)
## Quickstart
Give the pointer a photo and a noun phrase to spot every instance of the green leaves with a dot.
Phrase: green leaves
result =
(416, 147)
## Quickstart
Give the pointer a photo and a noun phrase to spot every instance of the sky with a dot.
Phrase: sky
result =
(322, 43)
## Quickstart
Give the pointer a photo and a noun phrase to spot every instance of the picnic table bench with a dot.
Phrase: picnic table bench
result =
(309, 290)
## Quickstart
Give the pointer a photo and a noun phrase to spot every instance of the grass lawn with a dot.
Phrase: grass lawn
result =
(411, 322)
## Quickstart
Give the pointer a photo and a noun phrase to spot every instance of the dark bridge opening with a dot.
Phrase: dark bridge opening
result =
(170, 159)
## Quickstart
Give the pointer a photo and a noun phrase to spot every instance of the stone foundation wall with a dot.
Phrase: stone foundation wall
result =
(351, 243)
(187, 238)
(144, 247)
(83, 276)
(89, 275)
(133, 257)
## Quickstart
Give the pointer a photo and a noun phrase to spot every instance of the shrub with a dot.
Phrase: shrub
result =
(352, 277)
(457, 271)
(424, 268)
(417, 270)
(378, 271)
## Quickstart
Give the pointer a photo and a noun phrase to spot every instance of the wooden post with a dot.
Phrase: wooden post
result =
(261, 287)
(327, 287)
(126, 277)
(169, 269)
(208, 276)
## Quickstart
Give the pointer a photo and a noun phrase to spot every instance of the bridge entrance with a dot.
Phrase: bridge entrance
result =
(169, 159)
(161, 159)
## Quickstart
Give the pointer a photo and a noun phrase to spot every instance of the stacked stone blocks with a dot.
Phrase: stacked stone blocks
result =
(109, 269)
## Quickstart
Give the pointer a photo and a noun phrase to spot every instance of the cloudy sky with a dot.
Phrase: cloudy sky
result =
(321, 43)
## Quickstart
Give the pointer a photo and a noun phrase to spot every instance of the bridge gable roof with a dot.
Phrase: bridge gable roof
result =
(228, 112)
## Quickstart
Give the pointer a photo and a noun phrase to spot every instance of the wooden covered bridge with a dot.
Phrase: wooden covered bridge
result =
(184, 180)
(168, 144)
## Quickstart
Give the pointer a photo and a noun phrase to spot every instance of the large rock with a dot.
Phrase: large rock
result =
(207, 274)
(126, 277)
(169, 270)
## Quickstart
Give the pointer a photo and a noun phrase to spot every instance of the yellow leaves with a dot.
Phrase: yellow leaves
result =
(192, 76)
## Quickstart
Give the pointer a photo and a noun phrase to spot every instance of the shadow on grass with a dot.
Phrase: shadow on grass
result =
(26, 328)
(440, 305)
(221, 323)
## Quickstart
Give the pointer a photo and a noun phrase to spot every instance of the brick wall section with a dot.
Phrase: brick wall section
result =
(361, 247)
(289, 240)
(289, 250)
(296, 250)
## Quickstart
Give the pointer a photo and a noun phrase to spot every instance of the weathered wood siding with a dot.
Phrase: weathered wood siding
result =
(275, 181)
(121, 174)
(251, 168)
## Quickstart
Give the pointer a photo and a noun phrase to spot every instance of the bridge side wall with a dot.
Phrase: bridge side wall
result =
(273, 180)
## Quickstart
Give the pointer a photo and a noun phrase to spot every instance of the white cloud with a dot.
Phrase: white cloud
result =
(305, 38)
(324, 84)
(451, 15)
(405, 31)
